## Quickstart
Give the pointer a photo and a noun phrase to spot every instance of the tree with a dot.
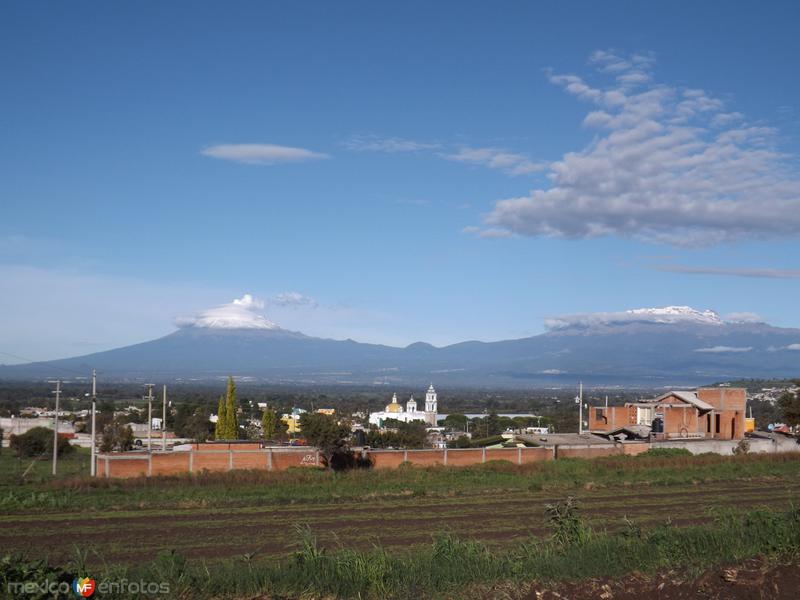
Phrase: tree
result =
(456, 422)
(118, 436)
(324, 432)
(269, 423)
(221, 429)
(38, 441)
(231, 411)
(789, 403)
(192, 421)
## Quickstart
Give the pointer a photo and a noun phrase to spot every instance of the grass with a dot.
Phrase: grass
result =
(451, 565)
(312, 486)
(369, 525)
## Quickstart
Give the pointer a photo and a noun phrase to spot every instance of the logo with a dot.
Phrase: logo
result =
(83, 587)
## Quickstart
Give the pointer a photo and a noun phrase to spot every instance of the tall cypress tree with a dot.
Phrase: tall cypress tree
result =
(220, 431)
(231, 417)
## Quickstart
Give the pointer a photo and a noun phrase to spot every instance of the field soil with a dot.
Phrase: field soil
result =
(754, 579)
(498, 517)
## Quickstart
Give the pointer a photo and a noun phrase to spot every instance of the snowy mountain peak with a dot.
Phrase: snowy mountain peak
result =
(241, 313)
(665, 314)
(671, 314)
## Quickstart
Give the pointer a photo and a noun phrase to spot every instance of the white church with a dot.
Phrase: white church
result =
(395, 411)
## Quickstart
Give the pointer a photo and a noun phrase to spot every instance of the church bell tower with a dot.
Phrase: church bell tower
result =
(430, 406)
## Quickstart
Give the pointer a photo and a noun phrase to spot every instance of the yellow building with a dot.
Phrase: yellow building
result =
(293, 420)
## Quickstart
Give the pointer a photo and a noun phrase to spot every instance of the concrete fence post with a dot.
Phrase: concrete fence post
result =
(107, 469)
(230, 459)
(191, 461)
(519, 456)
(405, 455)
(269, 460)
(483, 455)
(149, 464)
(316, 458)
(445, 456)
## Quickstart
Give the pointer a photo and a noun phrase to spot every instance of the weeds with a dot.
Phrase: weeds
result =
(450, 564)
(569, 528)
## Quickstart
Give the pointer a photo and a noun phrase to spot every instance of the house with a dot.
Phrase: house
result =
(717, 413)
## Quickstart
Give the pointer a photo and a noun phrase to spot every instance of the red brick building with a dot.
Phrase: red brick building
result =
(703, 413)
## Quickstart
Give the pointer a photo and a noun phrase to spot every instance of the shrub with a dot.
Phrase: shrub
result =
(743, 447)
(666, 452)
(569, 528)
(38, 442)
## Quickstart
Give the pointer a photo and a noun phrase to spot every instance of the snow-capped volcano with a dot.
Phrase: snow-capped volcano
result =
(665, 314)
(652, 346)
(241, 313)
(673, 314)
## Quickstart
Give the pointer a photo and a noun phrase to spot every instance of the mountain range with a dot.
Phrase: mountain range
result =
(653, 347)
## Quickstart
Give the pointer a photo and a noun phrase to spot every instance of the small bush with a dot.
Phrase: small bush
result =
(569, 528)
(38, 442)
(666, 452)
(743, 447)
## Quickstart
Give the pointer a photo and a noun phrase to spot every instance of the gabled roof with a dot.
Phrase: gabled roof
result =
(689, 398)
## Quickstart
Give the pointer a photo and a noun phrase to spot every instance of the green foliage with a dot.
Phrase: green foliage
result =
(449, 566)
(16, 568)
(569, 528)
(405, 435)
(477, 442)
(324, 432)
(38, 441)
(269, 423)
(231, 411)
(455, 421)
(665, 453)
(221, 428)
(116, 436)
(789, 404)
(192, 422)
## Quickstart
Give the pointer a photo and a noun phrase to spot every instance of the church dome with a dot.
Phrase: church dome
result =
(394, 407)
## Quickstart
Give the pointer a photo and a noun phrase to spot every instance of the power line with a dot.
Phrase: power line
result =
(39, 364)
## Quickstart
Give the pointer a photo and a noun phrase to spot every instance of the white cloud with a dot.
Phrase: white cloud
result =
(373, 143)
(758, 273)
(793, 347)
(241, 313)
(744, 317)
(294, 299)
(552, 372)
(261, 154)
(668, 165)
(494, 158)
(724, 349)
(666, 314)
(510, 163)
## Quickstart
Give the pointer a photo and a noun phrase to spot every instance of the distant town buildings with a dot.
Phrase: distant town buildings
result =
(395, 411)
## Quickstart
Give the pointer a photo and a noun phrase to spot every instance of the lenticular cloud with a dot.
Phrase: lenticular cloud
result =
(241, 313)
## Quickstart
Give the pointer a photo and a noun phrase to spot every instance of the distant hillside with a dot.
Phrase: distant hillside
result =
(649, 347)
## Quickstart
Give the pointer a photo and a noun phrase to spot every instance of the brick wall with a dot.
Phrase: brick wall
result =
(216, 457)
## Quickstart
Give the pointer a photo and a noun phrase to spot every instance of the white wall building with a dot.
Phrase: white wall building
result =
(394, 410)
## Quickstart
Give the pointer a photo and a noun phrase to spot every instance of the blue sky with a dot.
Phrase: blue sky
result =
(392, 172)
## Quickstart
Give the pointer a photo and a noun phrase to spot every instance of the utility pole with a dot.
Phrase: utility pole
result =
(57, 392)
(149, 387)
(579, 400)
(93, 468)
(164, 422)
